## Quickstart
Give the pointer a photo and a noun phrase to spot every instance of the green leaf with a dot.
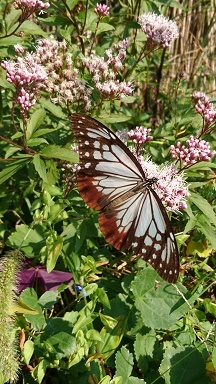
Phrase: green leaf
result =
(54, 252)
(183, 365)
(159, 307)
(104, 27)
(35, 142)
(40, 167)
(111, 338)
(29, 297)
(28, 351)
(57, 152)
(31, 28)
(102, 297)
(124, 367)
(113, 118)
(12, 40)
(11, 151)
(209, 231)
(34, 123)
(144, 347)
(30, 241)
(124, 363)
(56, 110)
(44, 131)
(48, 299)
(58, 337)
(21, 307)
(204, 206)
(39, 371)
(72, 3)
(12, 166)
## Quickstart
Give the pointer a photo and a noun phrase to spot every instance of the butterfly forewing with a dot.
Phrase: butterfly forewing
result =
(131, 214)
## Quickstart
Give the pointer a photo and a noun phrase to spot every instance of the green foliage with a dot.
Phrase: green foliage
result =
(124, 324)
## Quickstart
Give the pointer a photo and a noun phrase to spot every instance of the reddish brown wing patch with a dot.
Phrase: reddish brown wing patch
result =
(88, 191)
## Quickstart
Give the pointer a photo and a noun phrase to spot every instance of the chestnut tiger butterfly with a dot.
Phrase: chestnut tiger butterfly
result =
(112, 181)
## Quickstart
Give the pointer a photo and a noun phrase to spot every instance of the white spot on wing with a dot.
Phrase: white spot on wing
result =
(97, 155)
(96, 144)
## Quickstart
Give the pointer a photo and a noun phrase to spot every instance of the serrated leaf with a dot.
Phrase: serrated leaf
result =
(124, 363)
(160, 307)
(57, 152)
(183, 365)
(40, 167)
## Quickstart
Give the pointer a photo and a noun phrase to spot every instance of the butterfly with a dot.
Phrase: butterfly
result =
(112, 181)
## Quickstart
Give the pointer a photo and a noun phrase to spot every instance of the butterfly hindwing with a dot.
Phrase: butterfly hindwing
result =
(112, 181)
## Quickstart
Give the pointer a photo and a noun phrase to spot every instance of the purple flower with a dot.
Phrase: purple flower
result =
(102, 10)
(49, 281)
(194, 151)
(158, 29)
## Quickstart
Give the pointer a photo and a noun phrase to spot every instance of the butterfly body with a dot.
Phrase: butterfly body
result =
(112, 181)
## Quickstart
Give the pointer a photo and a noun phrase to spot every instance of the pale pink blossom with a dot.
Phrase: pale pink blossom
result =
(193, 152)
(102, 10)
(158, 29)
(170, 186)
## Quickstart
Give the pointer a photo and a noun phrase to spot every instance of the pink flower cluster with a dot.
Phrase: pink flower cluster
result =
(64, 83)
(139, 135)
(104, 72)
(28, 78)
(102, 10)
(30, 6)
(158, 29)
(204, 107)
(170, 185)
(194, 151)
